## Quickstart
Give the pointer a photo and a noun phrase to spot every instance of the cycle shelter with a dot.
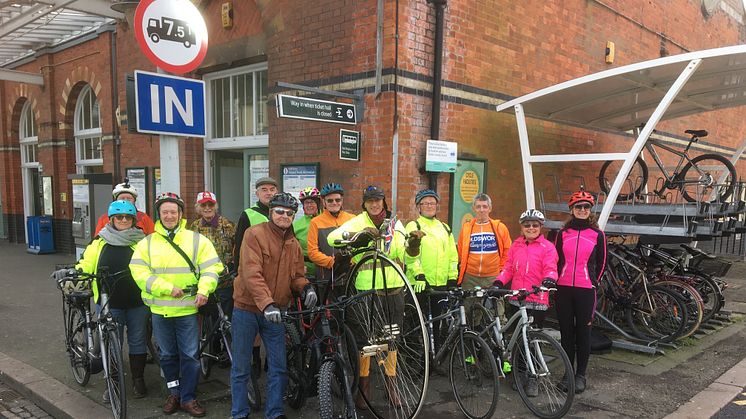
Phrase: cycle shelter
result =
(629, 102)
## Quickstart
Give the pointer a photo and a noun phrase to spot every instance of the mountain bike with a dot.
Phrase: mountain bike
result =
(704, 178)
(540, 368)
(93, 345)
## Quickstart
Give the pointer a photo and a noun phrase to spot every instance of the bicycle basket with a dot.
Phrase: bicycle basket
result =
(714, 267)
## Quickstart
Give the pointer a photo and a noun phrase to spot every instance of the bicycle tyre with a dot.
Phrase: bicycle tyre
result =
(723, 193)
(77, 345)
(639, 173)
(375, 326)
(331, 405)
(480, 377)
(667, 318)
(207, 346)
(712, 295)
(694, 304)
(554, 375)
(115, 373)
(295, 389)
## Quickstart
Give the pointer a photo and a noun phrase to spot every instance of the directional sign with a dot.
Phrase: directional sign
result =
(171, 33)
(349, 145)
(315, 110)
(169, 105)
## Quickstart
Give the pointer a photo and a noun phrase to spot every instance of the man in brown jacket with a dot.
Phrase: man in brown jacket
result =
(271, 269)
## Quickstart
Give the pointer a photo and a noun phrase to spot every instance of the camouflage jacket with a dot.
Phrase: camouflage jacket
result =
(221, 236)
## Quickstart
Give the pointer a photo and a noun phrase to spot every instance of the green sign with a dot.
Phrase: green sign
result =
(468, 181)
(315, 110)
(349, 145)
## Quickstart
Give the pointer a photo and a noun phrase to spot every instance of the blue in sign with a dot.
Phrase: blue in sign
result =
(169, 105)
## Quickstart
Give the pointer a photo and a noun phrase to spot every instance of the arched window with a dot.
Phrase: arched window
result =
(28, 139)
(88, 133)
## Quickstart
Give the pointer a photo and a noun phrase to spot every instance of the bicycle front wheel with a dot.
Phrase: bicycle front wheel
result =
(544, 375)
(707, 178)
(335, 400)
(115, 373)
(474, 376)
(393, 352)
(633, 184)
(207, 346)
(77, 345)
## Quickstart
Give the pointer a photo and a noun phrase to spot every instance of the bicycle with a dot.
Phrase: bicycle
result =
(472, 369)
(93, 345)
(699, 179)
(534, 358)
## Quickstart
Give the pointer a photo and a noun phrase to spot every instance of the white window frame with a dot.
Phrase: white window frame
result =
(28, 140)
(82, 134)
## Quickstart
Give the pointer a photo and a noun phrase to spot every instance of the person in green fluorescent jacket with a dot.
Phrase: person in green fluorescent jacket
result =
(310, 198)
(437, 264)
(401, 248)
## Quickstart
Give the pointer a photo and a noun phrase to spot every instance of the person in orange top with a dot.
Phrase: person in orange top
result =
(125, 192)
(320, 253)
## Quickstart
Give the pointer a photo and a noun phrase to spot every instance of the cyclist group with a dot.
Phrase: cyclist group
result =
(173, 269)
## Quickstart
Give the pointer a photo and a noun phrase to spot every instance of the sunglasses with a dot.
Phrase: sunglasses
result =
(333, 200)
(582, 206)
(121, 217)
(531, 225)
(280, 211)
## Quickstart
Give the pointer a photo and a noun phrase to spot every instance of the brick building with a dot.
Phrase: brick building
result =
(77, 121)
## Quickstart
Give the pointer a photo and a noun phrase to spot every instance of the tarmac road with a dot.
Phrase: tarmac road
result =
(621, 384)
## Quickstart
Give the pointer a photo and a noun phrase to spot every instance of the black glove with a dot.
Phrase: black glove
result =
(549, 283)
(451, 284)
(499, 285)
(272, 314)
(341, 261)
(309, 296)
(365, 236)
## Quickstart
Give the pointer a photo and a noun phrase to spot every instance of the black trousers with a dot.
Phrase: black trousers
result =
(575, 308)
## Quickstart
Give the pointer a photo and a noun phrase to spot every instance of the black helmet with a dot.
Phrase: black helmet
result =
(284, 199)
(373, 192)
(168, 197)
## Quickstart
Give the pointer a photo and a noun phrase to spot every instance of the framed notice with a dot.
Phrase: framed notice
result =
(468, 181)
(295, 177)
(47, 196)
(138, 179)
(156, 182)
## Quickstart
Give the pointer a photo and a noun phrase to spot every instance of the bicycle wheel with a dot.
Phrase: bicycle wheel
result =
(712, 295)
(334, 402)
(659, 314)
(479, 318)
(393, 354)
(208, 345)
(701, 178)
(634, 183)
(295, 389)
(474, 376)
(544, 375)
(115, 373)
(692, 300)
(77, 345)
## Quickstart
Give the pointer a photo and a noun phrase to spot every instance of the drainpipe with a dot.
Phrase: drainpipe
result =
(114, 107)
(440, 6)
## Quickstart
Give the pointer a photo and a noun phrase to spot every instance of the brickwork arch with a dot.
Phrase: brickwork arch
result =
(19, 96)
(74, 83)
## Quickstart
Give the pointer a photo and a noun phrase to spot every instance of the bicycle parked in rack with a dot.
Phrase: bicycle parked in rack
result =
(93, 345)
(540, 368)
(704, 178)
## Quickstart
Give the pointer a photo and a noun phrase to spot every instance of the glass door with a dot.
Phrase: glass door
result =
(234, 174)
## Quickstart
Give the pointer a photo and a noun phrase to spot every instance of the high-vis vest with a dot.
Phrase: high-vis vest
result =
(157, 268)
(89, 261)
(255, 217)
(397, 252)
(300, 227)
(438, 259)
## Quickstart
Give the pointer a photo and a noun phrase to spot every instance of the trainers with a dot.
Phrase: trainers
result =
(171, 405)
(532, 388)
(194, 409)
(580, 384)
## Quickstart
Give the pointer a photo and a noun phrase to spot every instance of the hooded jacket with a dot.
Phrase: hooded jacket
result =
(582, 254)
(528, 264)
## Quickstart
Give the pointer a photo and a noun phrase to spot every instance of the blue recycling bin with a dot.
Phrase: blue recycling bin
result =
(40, 236)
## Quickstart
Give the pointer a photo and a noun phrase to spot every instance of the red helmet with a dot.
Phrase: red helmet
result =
(581, 196)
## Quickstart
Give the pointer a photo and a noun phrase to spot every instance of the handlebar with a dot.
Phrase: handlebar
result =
(342, 303)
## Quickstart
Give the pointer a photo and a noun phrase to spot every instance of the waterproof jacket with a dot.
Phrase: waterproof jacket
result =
(257, 214)
(157, 268)
(397, 252)
(144, 222)
(300, 226)
(438, 258)
(528, 264)
(503, 244)
(271, 267)
(88, 263)
(319, 250)
(582, 254)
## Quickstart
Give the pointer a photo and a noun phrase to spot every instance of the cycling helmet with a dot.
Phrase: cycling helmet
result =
(373, 192)
(424, 194)
(284, 199)
(168, 197)
(124, 188)
(581, 196)
(308, 193)
(532, 215)
(122, 207)
(331, 188)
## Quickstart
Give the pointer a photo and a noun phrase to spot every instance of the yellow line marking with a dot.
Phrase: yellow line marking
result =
(740, 402)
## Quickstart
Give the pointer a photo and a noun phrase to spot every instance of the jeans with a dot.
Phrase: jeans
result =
(178, 343)
(244, 327)
(136, 320)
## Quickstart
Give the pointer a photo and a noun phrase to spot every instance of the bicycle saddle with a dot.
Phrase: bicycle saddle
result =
(701, 133)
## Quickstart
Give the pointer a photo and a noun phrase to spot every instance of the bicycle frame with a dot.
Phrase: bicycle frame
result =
(524, 323)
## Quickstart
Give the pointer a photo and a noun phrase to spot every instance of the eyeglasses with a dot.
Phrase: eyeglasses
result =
(121, 217)
(531, 225)
(428, 204)
(333, 200)
(280, 211)
(582, 206)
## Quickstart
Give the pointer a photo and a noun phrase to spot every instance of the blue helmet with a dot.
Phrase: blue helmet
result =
(424, 194)
(122, 207)
(331, 188)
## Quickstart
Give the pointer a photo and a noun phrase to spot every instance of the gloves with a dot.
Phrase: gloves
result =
(60, 274)
(499, 285)
(309, 296)
(365, 236)
(419, 283)
(451, 284)
(549, 283)
(415, 238)
(272, 314)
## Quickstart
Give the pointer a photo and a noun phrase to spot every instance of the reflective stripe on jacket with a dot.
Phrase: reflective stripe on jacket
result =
(528, 264)
(438, 259)
(157, 268)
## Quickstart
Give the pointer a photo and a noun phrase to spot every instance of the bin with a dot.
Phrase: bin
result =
(40, 236)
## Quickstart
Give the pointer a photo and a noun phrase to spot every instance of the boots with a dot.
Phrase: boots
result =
(392, 391)
(137, 367)
(363, 393)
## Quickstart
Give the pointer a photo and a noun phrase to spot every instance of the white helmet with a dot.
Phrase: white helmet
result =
(124, 188)
(532, 215)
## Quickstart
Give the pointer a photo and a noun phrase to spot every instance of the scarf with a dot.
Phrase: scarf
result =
(116, 237)
(378, 219)
(212, 223)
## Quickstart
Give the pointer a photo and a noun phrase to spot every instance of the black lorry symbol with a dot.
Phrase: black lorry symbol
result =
(170, 29)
